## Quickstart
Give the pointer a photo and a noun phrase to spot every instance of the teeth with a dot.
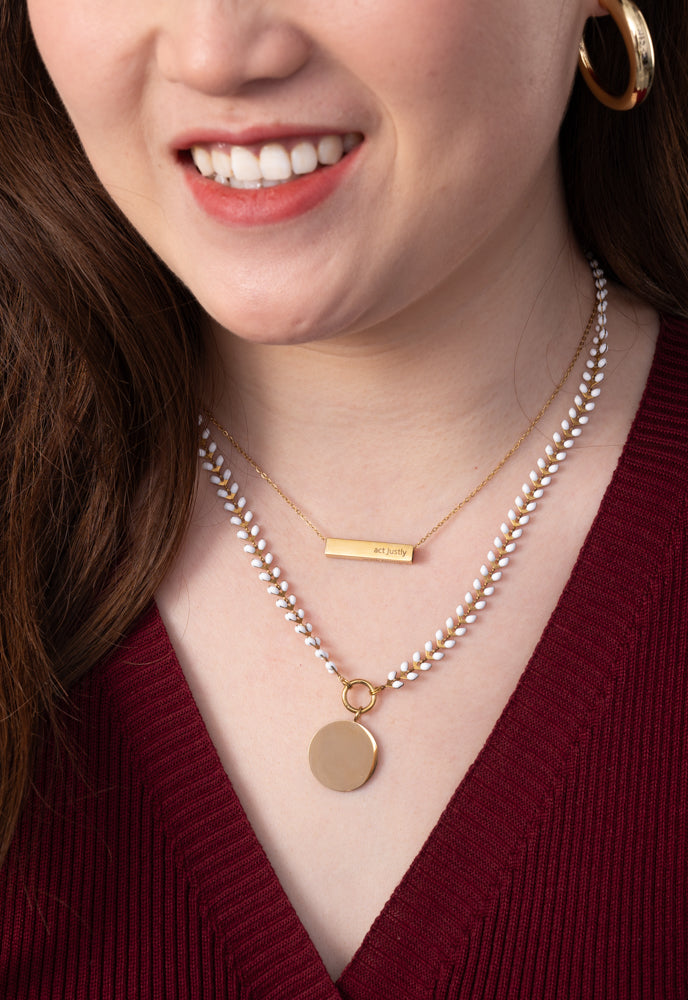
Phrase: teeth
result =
(273, 164)
(221, 162)
(204, 162)
(274, 161)
(330, 149)
(304, 158)
(245, 165)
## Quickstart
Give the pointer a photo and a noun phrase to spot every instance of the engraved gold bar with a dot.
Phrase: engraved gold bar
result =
(353, 548)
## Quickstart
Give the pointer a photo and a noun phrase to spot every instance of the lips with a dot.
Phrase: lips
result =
(264, 165)
(270, 181)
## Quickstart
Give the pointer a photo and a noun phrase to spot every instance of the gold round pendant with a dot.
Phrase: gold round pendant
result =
(343, 755)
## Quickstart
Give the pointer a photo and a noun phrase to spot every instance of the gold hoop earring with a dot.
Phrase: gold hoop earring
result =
(641, 57)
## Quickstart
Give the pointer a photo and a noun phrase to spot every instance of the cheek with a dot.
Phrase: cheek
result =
(94, 57)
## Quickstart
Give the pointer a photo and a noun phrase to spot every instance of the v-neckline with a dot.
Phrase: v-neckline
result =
(488, 817)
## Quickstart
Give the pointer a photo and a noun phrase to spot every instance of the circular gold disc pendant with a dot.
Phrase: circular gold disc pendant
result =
(343, 755)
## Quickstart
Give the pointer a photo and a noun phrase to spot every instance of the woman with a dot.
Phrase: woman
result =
(381, 203)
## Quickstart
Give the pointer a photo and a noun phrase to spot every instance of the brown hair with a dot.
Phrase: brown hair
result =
(101, 350)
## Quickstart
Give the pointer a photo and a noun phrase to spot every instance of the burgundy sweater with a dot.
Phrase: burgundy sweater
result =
(559, 869)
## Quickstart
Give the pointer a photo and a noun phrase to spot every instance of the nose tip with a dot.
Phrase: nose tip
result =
(220, 48)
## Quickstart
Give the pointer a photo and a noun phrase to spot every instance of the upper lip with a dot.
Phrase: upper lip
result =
(252, 135)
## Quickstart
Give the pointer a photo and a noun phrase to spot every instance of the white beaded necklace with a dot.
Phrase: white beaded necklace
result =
(343, 754)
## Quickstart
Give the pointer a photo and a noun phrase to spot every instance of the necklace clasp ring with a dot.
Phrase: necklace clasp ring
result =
(372, 691)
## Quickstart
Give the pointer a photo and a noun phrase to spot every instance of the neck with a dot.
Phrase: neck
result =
(442, 390)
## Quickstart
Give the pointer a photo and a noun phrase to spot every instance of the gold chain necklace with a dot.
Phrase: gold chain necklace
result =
(402, 552)
(343, 755)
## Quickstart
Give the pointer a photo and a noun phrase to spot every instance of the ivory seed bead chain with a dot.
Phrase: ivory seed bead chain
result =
(348, 548)
(343, 754)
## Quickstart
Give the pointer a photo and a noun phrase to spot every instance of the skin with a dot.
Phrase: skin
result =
(387, 348)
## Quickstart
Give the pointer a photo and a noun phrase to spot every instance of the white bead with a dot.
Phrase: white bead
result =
(439, 635)
(416, 657)
(273, 590)
(568, 443)
(510, 547)
(284, 586)
(545, 481)
(449, 643)
(459, 611)
(504, 561)
(230, 507)
(479, 605)
(530, 507)
(484, 571)
(250, 549)
(264, 576)
(331, 667)
(248, 516)
(276, 571)
(397, 684)
(412, 676)
(321, 654)
(404, 667)
(516, 532)
(268, 558)
(536, 494)
(524, 518)
(488, 591)
(438, 655)
(241, 503)
(261, 544)
(577, 431)
(310, 641)
(254, 530)
(242, 534)
(426, 665)
(460, 631)
(496, 576)
(235, 520)
(468, 599)
(450, 623)
(470, 619)
(477, 585)
(392, 675)
(301, 629)
(257, 563)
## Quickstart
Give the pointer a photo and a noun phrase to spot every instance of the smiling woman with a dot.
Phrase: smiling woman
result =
(384, 281)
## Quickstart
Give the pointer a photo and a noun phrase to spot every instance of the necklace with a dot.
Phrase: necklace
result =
(343, 754)
(402, 552)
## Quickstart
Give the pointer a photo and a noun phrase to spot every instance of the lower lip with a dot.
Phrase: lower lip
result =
(267, 206)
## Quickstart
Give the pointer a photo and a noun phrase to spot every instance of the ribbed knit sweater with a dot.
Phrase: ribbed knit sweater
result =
(559, 869)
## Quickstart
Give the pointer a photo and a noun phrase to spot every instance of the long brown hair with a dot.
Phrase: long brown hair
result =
(101, 350)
